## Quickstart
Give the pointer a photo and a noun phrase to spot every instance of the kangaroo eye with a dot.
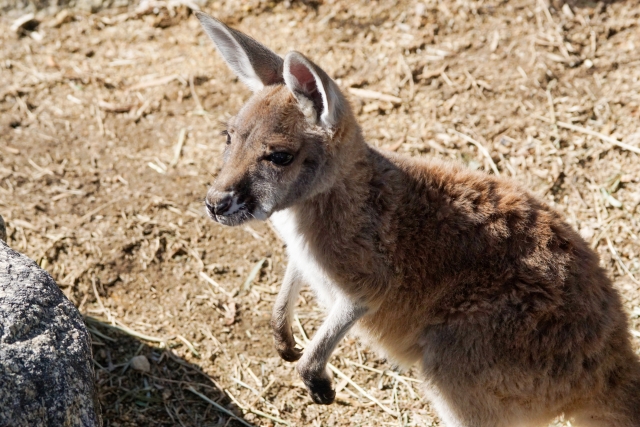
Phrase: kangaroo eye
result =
(226, 133)
(280, 158)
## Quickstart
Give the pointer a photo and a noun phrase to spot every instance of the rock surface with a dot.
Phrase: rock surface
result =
(46, 371)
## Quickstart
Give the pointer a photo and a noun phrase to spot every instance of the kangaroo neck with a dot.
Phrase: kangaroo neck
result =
(340, 210)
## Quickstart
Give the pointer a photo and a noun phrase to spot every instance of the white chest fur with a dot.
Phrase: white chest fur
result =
(300, 255)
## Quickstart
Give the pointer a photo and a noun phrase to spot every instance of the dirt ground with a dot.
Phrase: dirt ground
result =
(110, 133)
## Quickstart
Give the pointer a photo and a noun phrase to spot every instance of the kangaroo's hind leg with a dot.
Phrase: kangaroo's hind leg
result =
(618, 406)
(472, 384)
(467, 408)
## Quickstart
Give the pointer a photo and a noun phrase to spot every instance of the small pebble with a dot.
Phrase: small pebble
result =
(140, 363)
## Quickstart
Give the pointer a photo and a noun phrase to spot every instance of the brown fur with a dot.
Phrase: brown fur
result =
(499, 300)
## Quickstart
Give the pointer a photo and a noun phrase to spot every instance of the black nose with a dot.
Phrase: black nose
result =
(209, 207)
(221, 205)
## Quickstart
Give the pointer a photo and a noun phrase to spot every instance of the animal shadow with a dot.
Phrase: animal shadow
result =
(168, 392)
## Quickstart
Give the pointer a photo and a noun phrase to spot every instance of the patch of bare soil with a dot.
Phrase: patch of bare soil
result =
(109, 136)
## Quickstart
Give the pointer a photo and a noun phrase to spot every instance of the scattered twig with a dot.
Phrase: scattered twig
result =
(429, 74)
(253, 232)
(91, 213)
(213, 283)
(151, 83)
(114, 108)
(100, 122)
(408, 77)
(156, 168)
(302, 331)
(482, 150)
(545, 9)
(99, 300)
(263, 392)
(255, 411)
(245, 385)
(23, 224)
(140, 112)
(385, 372)
(362, 391)
(271, 417)
(604, 229)
(446, 79)
(602, 136)
(178, 150)
(495, 41)
(194, 94)
(252, 275)
(617, 258)
(218, 406)
(207, 333)
(372, 94)
(100, 334)
(43, 171)
(552, 110)
(190, 346)
(23, 106)
(126, 330)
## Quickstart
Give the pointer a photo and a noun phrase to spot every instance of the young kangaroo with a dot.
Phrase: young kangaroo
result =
(500, 302)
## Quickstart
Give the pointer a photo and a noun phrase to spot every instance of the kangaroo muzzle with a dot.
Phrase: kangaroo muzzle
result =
(222, 204)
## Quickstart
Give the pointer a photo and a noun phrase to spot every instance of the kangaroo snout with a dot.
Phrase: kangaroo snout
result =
(219, 203)
(223, 206)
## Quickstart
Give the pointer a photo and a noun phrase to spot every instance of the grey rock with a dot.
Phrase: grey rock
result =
(3, 230)
(46, 370)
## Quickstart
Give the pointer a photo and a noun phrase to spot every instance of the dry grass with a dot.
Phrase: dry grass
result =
(109, 135)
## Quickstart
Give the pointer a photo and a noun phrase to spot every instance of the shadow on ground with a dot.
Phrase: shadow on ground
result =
(173, 392)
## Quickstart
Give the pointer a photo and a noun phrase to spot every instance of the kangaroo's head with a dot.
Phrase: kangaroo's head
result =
(281, 144)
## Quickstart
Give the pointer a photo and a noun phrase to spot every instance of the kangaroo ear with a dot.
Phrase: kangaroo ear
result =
(308, 82)
(256, 65)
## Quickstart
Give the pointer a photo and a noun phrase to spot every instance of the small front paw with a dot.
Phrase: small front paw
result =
(321, 391)
(289, 354)
(319, 387)
(284, 342)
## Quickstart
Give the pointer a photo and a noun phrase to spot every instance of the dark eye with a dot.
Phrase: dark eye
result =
(226, 133)
(280, 158)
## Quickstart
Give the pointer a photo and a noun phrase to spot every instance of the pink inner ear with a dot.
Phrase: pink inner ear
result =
(304, 77)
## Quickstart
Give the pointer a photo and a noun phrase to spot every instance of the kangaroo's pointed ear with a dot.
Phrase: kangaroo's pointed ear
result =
(308, 82)
(253, 63)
